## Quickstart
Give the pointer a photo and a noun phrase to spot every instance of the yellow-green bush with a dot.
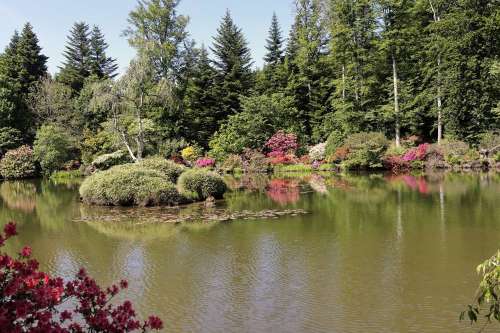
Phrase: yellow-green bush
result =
(129, 185)
(200, 184)
(169, 169)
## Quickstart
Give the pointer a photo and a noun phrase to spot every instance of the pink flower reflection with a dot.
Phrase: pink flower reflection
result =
(283, 191)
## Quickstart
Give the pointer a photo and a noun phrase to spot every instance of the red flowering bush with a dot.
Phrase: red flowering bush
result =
(30, 300)
(416, 154)
(282, 143)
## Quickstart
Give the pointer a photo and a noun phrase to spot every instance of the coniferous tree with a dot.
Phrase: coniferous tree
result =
(77, 66)
(101, 65)
(472, 33)
(274, 47)
(200, 101)
(233, 64)
(353, 60)
(32, 63)
(21, 66)
(308, 70)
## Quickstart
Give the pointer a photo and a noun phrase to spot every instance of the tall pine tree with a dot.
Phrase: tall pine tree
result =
(77, 66)
(233, 64)
(101, 65)
(21, 66)
(274, 43)
(200, 102)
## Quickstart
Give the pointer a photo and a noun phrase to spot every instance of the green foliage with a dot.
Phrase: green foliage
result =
(232, 164)
(255, 162)
(167, 168)
(129, 185)
(18, 163)
(454, 151)
(486, 301)
(293, 168)
(233, 64)
(334, 141)
(262, 116)
(52, 148)
(62, 176)
(172, 147)
(10, 138)
(106, 161)
(158, 33)
(274, 44)
(365, 150)
(200, 184)
(96, 144)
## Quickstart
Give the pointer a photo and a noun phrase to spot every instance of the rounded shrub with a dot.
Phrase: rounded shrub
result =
(169, 169)
(199, 184)
(18, 163)
(106, 161)
(129, 185)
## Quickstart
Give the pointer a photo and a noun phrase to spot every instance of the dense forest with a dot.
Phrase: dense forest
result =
(426, 68)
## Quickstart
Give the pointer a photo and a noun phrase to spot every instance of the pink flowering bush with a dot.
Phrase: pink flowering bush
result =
(205, 162)
(282, 143)
(30, 300)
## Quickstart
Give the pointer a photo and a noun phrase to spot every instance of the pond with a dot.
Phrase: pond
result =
(331, 253)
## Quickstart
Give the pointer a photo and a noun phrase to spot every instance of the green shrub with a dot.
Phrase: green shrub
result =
(52, 148)
(200, 184)
(129, 185)
(293, 168)
(496, 157)
(10, 138)
(18, 163)
(96, 144)
(454, 150)
(107, 161)
(64, 175)
(365, 150)
(169, 169)
(172, 147)
(232, 163)
(334, 141)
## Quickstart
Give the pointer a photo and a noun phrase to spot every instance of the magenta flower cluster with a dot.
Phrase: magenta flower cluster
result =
(205, 162)
(282, 143)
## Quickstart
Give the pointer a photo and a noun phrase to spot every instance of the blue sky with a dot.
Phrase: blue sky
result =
(52, 19)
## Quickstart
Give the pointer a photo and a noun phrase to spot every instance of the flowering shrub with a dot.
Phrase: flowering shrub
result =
(232, 163)
(283, 143)
(191, 153)
(18, 163)
(416, 154)
(205, 162)
(277, 157)
(31, 300)
(254, 161)
(317, 152)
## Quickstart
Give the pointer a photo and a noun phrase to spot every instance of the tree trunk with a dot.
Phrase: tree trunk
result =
(396, 101)
(343, 83)
(437, 18)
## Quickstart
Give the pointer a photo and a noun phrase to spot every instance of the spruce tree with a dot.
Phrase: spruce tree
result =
(77, 66)
(21, 66)
(274, 46)
(101, 65)
(32, 63)
(233, 64)
(200, 101)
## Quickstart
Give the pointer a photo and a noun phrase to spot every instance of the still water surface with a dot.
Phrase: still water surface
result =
(375, 253)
